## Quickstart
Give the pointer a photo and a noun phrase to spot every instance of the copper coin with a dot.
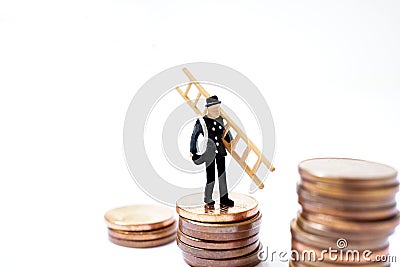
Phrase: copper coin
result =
(192, 207)
(221, 227)
(218, 245)
(347, 171)
(372, 214)
(249, 260)
(142, 244)
(220, 236)
(381, 226)
(314, 197)
(326, 242)
(139, 218)
(215, 253)
(381, 193)
(348, 186)
(144, 235)
(323, 230)
(326, 258)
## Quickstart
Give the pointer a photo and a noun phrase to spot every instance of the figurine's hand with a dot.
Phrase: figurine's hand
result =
(191, 154)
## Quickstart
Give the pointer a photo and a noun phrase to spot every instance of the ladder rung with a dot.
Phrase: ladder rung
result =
(246, 154)
(257, 164)
(197, 99)
(234, 142)
(188, 101)
(187, 89)
(253, 176)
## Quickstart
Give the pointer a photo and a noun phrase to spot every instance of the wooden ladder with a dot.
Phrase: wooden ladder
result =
(261, 159)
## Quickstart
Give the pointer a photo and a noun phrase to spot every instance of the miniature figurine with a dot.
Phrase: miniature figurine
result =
(211, 126)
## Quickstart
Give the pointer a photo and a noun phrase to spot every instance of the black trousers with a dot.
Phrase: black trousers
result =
(210, 170)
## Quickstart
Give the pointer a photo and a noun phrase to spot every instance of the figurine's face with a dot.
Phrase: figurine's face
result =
(214, 111)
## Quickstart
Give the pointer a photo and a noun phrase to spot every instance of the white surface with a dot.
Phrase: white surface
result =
(69, 69)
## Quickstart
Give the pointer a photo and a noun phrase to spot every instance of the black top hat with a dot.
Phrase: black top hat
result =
(212, 100)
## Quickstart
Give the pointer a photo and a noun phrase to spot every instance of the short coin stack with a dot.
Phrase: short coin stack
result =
(218, 235)
(141, 226)
(348, 205)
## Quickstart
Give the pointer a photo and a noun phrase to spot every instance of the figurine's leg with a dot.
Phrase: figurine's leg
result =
(210, 171)
(223, 187)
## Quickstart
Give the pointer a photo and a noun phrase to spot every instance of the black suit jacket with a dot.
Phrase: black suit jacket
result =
(215, 132)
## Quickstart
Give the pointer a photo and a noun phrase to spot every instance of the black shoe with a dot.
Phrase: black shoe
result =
(209, 201)
(227, 202)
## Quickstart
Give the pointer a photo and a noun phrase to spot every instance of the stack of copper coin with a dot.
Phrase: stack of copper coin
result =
(348, 206)
(218, 235)
(141, 226)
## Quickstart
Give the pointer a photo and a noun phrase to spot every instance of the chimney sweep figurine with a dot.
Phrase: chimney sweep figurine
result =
(211, 126)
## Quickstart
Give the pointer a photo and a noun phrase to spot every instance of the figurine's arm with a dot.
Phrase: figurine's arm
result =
(197, 130)
(228, 137)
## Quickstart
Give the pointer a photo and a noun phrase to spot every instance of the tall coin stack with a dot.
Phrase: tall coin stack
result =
(218, 235)
(347, 205)
(141, 226)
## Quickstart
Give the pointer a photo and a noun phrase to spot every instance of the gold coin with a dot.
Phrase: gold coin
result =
(144, 235)
(372, 214)
(325, 257)
(326, 231)
(347, 171)
(192, 207)
(139, 218)
(220, 236)
(216, 245)
(217, 253)
(381, 193)
(221, 227)
(249, 260)
(142, 244)
(326, 242)
(369, 227)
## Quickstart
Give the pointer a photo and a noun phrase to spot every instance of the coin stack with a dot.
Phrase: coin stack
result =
(141, 226)
(347, 205)
(218, 235)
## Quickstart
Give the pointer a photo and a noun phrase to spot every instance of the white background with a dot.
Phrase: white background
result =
(329, 71)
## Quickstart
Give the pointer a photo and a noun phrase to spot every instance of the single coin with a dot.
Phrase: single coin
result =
(314, 197)
(368, 227)
(382, 193)
(322, 242)
(233, 227)
(144, 235)
(215, 253)
(347, 187)
(220, 236)
(347, 171)
(142, 244)
(249, 260)
(216, 245)
(323, 230)
(192, 207)
(321, 255)
(139, 218)
(358, 215)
